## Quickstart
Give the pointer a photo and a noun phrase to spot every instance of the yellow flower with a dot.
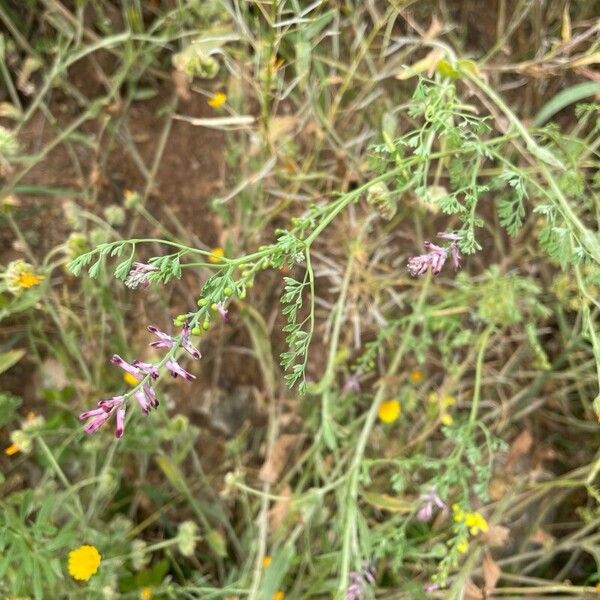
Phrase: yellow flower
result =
(459, 513)
(28, 280)
(215, 255)
(146, 593)
(389, 411)
(266, 561)
(84, 562)
(462, 546)
(476, 523)
(446, 419)
(20, 442)
(217, 100)
(20, 275)
(416, 376)
(130, 379)
(12, 449)
(278, 596)
(449, 401)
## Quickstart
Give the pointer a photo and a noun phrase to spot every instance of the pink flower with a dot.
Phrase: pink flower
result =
(352, 383)
(222, 311)
(120, 428)
(127, 367)
(435, 257)
(147, 368)
(430, 500)
(138, 276)
(178, 371)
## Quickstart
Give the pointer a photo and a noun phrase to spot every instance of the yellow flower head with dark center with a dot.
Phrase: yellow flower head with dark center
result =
(84, 562)
(416, 376)
(389, 411)
(217, 100)
(216, 254)
(266, 561)
(476, 523)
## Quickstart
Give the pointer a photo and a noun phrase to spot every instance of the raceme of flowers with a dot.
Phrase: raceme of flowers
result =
(143, 373)
(436, 256)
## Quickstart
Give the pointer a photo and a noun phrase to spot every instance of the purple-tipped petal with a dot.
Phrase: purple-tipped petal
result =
(178, 371)
(141, 399)
(187, 345)
(164, 339)
(110, 403)
(120, 422)
(161, 344)
(150, 395)
(129, 368)
(148, 368)
(96, 423)
(96, 412)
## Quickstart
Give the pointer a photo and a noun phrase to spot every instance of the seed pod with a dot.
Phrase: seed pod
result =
(378, 195)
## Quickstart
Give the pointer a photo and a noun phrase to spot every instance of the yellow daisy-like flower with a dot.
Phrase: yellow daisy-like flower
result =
(84, 562)
(462, 546)
(416, 376)
(21, 275)
(266, 561)
(216, 254)
(278, 596)
(28, 280)
(476, 523)
(446, 419)
(146, 593)
(130, 379)
(389, 411)
(217, 100)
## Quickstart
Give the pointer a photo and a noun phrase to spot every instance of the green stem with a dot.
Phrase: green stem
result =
(478, 374)
(349, 512)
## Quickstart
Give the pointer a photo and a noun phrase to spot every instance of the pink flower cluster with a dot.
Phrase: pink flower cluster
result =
(435, 257)
(141, 371)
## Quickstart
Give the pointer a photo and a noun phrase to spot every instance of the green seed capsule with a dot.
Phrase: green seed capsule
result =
(206, 325)
(250, 284)
(214, 307)
(196, 330)
(228, 291)
(202, 302)
(243, 294)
